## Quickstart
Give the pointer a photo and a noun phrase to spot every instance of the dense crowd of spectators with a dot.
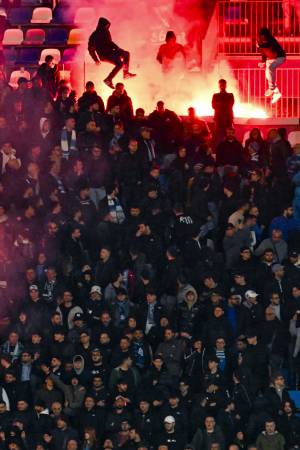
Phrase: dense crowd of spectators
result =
(149, 278)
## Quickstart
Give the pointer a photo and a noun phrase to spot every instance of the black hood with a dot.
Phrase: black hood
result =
(102, 23)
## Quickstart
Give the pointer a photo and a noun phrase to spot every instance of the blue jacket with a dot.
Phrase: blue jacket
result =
(285, 225)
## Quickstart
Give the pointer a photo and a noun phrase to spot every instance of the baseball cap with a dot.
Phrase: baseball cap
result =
(97, 289)
(59, 329)
(121, 291)
(294, 253)
(169, 419)
(78, 316)
(230, 226)
(33, 287)
(95, 350)
(238, 273)
(174, 393)
(277, 268)
(251, 294)
(120, 397)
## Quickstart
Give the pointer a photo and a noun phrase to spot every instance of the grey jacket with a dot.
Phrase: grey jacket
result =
(280, 249)
(172, 353)
(74, 395)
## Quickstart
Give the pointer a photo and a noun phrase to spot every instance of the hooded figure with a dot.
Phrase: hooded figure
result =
(169, 52)
(102, 48)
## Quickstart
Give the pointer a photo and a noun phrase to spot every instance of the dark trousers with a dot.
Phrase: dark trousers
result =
(120, 58)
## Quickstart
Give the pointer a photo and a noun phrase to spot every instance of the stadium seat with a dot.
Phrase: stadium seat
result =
(234, 15)
(9, 55)
(3, 12)
(295, 396)
(69, 55)
(63, 15)
(28, 56)
(57, 36)
(13, 36)
(50, 51)
(84, 15)
(20, 15)
(41, 15)
(77, 36)
(294, 138)
(34, 2)
(15, 75)
(35, 36)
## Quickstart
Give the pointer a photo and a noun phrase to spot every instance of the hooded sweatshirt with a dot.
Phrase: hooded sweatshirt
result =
(100, 42)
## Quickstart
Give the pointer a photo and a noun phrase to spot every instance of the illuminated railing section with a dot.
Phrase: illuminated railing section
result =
(252, 86)
(239, 23)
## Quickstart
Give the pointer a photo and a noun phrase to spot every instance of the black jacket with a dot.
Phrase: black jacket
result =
(229, 153)
(100, 41)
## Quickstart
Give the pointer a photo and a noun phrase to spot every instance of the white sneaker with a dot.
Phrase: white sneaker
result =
(276, 96)
(269, 92)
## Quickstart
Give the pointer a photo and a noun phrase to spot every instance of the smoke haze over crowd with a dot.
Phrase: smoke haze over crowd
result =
(140, 26)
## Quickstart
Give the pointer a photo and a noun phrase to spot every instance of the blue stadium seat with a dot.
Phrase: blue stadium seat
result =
(63, 15)
(56, 36)
(10, 55)
(31, 2)
(20, 15)
(36, 3)
(28, 56)
(295, 396)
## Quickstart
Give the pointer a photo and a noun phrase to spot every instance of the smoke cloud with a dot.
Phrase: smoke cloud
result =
(140, 26)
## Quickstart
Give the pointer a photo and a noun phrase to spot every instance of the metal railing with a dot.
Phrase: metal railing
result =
(209, 42)
(239, 23)
(252, 86)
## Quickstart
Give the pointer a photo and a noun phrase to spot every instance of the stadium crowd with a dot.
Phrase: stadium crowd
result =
(149, 280)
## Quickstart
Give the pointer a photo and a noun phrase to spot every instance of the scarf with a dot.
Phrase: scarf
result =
(14, 353)
(150, 149)
(115, 210)
(66, 149)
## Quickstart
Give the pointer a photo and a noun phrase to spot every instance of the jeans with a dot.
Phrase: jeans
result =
(96, 195)
(271, 66)
(120, 58)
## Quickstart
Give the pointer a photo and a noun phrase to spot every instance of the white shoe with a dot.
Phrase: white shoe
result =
(276, 96)
(269, 92)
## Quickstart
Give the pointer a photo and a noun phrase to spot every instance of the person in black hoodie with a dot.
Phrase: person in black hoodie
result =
(102, 48)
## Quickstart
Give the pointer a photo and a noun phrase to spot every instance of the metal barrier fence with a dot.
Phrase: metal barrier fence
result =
(252, 86)
(239, 23)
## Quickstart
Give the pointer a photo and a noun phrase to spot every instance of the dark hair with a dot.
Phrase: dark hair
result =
(265, 32)
(89, 84)
(49, 58)
(170, 35)
(140, 110)
(258, 131)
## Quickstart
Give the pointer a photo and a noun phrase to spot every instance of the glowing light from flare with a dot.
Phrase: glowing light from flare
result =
(243, 110)
(178, 95)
